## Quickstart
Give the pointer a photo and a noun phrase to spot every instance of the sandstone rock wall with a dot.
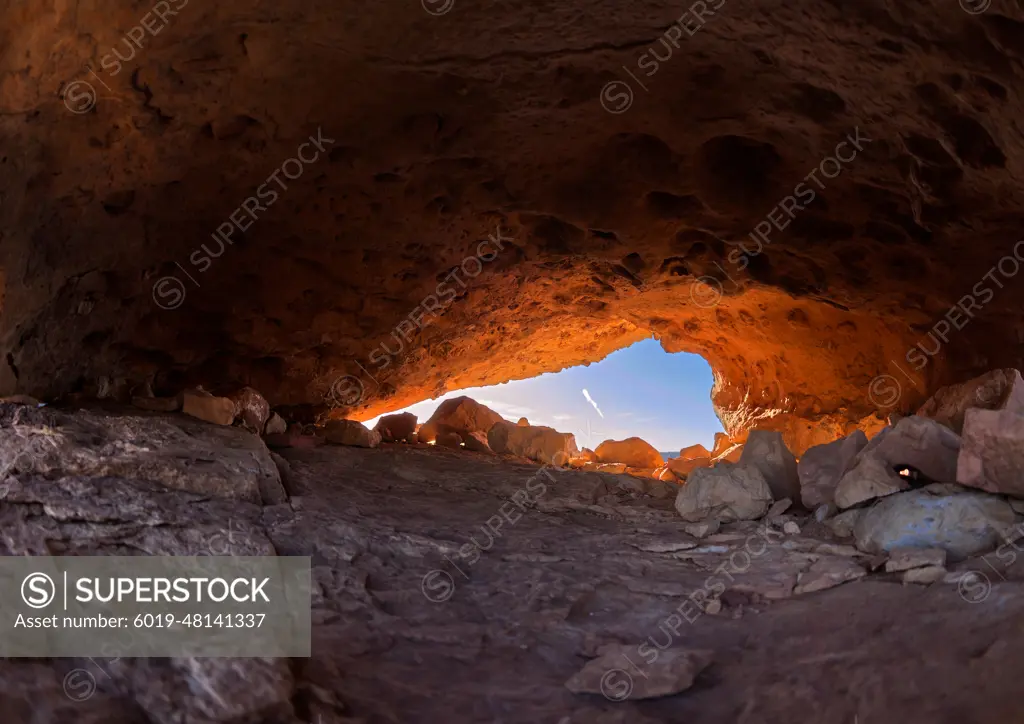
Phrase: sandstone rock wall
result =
(436, 132)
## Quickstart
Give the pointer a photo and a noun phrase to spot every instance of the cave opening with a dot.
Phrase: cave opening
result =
(640, 391)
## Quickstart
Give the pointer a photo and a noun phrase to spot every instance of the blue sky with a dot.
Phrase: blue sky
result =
(641, 391)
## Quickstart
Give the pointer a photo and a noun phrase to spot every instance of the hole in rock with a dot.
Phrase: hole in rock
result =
(641, 391)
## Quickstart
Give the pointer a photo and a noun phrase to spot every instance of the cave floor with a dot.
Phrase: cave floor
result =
(409, 627)
(582, 569)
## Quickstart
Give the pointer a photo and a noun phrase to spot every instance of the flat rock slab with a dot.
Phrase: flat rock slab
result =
(111, 516)
(173, 450)
(925, 575)
(659, 673)
(904, 559)
(828, 573)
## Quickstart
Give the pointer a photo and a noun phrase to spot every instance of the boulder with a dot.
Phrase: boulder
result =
(822, 466)
(498, 436)
(825, 511)
(871, 477)
(275, 425)
(703, 528)
(586, 456)
(251, 408)
(992, 452)
(477, 442)
(523, 422)
(694, 452)
(665, 474)
(173, 451)
(461, 415)
(674, 670)
(201, 404)
(731, 454)
(844, 523)
(545, 444)
(1001, 389)
(766, 451)
(962, 524)
(916, 442)
(726, 492)
(536, 442)
(350, 432)
(447, 438)
(722, 443)
(683, 468)
(633, 451)
(397, 427)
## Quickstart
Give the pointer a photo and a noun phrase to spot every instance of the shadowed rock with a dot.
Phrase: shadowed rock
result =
(765, 450)
(251, 408)
(822, 466)
(350, 432)
(395, 428)
(174, 451)
(996, 390)
(992, 453)
(672, 671)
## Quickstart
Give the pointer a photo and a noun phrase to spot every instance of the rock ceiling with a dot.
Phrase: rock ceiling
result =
(822, 198)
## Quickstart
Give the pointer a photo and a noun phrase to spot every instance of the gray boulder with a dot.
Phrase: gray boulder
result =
(726, 492)
(766, 451)
(924, 445)
(822, 466)
(963, 524)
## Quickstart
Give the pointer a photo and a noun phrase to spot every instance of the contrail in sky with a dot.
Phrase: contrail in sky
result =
(591, 401)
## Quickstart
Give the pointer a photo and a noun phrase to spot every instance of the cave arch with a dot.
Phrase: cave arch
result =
(343, 200)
